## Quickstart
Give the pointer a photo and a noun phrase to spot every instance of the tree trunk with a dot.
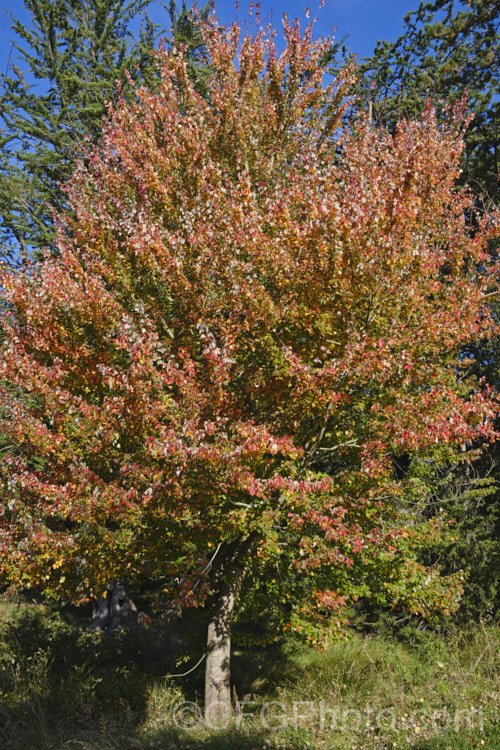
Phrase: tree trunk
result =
(114, 610)
(229, 574)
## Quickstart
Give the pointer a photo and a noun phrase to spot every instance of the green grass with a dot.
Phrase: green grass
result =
(61, 688)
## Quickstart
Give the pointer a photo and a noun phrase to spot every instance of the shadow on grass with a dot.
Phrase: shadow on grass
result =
(112, 736)
(55, 677)
(64, 689)
(61, 687)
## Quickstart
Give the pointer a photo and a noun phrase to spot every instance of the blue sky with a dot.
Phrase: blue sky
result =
(364, 21)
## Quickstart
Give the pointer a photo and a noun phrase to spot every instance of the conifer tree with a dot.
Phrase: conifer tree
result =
(186, 31)
(54, 95)
(448, 48)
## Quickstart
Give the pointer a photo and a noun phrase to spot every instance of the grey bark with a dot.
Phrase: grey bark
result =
(229, 572)
(115, 610)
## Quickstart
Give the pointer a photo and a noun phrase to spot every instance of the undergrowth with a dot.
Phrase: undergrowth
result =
(63, 688)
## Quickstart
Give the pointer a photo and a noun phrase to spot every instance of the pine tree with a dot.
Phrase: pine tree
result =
(448, 48)
(186, 32)
(53, 97)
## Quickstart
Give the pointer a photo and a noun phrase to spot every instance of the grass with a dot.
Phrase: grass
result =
(61, 688)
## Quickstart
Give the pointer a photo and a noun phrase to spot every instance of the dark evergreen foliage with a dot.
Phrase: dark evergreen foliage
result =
(62, 72)
(185, 31)
(448, 48)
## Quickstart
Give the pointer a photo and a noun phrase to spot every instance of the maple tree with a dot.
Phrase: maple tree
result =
(252, 314)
